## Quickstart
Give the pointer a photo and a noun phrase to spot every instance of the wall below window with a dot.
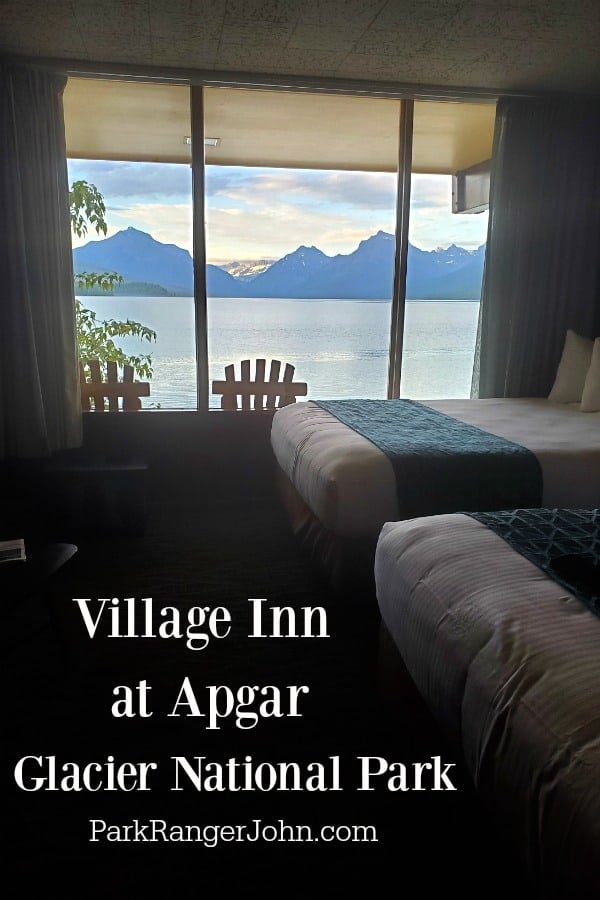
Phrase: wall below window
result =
(191, 459)
(191, 456)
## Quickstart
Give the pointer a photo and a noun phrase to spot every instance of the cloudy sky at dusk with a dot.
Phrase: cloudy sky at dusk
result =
(256, 213)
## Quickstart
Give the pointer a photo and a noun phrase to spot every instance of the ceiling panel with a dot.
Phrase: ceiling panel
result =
(109, 119)
(121, 120)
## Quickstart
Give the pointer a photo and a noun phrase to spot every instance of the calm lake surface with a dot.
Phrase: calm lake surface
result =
(340, 347)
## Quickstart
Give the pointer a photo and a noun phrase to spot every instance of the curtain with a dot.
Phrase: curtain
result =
(542, 272)
(40, 409)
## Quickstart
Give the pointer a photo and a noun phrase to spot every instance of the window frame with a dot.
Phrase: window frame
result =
(196, 82)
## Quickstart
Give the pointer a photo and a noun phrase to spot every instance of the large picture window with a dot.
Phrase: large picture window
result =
(131, 143)
(288, 201)
(300, 201)
(446, 251)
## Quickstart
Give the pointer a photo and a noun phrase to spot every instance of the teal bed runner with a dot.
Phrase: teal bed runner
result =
(443, 465)
(563, 543)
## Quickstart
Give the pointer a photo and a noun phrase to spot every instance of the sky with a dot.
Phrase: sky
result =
(259, 213)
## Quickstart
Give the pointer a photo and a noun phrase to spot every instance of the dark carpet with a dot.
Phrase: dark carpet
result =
(58, 692)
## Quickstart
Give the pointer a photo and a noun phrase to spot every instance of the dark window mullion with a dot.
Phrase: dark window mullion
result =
(199, 244)
(405, 141)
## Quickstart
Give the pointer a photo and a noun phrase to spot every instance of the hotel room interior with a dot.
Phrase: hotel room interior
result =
(486, 657)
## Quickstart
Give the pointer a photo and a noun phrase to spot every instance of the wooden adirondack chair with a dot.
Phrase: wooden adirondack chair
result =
(268, 395)
(106, 394)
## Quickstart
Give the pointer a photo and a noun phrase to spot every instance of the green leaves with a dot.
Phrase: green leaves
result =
(94, 337)
(86, 205)
(104, 280)
(95, 340)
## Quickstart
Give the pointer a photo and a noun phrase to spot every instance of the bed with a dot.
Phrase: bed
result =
(339, 488)
(508, 660)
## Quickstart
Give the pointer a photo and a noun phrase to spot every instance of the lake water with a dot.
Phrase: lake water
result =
(340, 347)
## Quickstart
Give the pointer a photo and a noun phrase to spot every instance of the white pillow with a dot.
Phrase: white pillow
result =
(572, 369)
(590, 399)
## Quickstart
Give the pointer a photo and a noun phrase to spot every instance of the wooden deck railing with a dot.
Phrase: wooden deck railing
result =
(107, 394)
(268, 395)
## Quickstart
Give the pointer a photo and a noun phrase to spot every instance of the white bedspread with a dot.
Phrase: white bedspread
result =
(509, 662)
(349, 483)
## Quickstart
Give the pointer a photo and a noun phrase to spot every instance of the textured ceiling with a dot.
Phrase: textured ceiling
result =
(490, 44)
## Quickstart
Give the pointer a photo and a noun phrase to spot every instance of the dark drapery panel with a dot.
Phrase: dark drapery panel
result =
(40, 410)
(542, 272)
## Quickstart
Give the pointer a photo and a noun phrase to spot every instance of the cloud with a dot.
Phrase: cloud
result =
(432, 222)
(431, 230)
(431, 192)
(255, 213)
(118, 180)
(369, 190)
(252, 213)
(284, 226)
(169, 223)
(363, 190)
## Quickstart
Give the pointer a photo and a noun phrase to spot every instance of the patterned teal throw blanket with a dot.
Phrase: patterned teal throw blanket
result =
(443, 465)
(563, 543)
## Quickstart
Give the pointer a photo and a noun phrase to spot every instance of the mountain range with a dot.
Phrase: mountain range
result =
(453, 273)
